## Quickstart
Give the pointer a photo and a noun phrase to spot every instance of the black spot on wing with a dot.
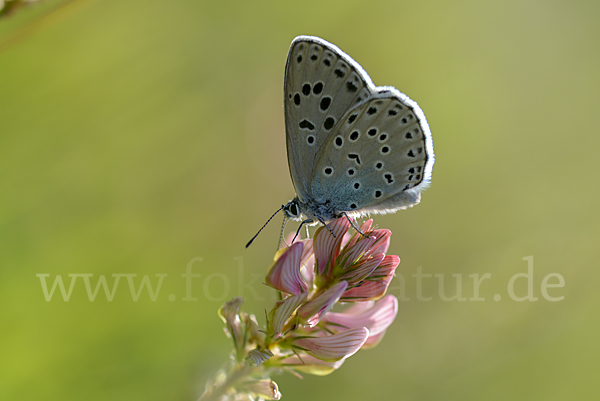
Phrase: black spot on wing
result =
(305, 124)
(318, 88)
(329, 122)
(306, 89)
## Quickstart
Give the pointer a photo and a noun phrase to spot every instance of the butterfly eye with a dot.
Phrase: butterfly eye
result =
(294, 209)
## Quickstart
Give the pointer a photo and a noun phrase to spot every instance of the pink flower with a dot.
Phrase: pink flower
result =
(353, 259)
(285, 275)
(375, 316)
(335, 347)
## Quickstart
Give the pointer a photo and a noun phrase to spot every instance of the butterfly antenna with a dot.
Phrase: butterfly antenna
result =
(353, 224)
(270, 218)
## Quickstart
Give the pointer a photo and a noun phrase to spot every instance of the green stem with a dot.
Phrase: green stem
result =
(234, 376)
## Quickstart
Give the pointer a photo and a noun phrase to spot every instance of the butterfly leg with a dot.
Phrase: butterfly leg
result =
(299, 228)
(353, 224)
(325, 224)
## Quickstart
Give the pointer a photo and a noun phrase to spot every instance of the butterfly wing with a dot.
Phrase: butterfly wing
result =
(380, 156)
(321, 84)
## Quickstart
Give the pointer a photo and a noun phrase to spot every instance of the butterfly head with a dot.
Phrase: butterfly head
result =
(292, 210)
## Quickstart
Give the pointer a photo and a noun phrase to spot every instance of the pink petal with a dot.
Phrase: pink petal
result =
(284, 309)
(285, 275)
(351, 254)
(327, 247)
(347, 238)
(372, 341)
(308, 262)
(368, 290)
(362, 269)
(374, 286)
(386, 268)
(383, 241)
(364, 228)
(357, 308)
(312, 312)
(377, 319)
(335, 347)
(307, 252)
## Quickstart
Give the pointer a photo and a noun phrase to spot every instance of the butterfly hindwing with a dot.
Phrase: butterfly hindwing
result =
(380, 156)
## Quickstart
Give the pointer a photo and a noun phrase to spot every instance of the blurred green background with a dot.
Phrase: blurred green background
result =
(136, 136)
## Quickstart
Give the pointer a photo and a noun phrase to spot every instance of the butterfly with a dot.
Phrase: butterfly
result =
(353, 148)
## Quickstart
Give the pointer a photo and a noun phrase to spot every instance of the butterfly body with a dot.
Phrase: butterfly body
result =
(353, 148)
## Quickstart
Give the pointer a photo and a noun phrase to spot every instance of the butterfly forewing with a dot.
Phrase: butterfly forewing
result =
(321, 84)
